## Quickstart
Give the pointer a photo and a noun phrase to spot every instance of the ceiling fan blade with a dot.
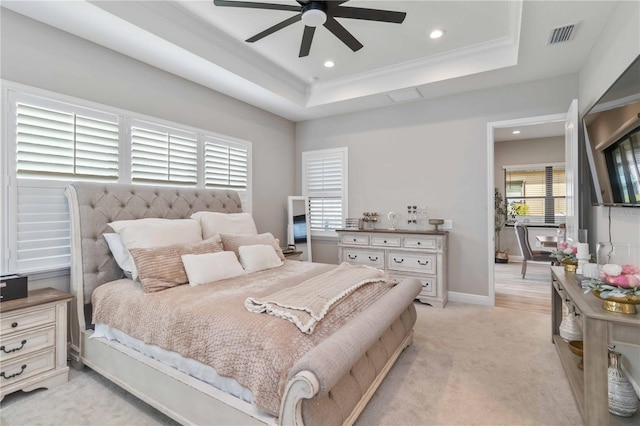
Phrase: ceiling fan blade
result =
(369, 14)
(275, 28)
(342, 34)
(253, 5)
(307, 38)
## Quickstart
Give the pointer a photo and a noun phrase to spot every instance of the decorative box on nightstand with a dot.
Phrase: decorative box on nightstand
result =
(33, 341)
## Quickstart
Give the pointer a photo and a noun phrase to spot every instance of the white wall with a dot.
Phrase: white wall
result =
(41, 56)
(432, 153)
(521, 152)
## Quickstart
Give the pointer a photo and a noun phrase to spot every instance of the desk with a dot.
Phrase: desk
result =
(547, 240)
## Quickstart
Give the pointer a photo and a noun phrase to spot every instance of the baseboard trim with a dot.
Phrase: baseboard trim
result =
(472, 299)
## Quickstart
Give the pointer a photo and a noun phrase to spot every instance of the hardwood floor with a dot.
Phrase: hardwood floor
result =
(530, 294)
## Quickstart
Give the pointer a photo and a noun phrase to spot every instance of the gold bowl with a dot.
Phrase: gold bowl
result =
(576, 347)
(569, 266)
(621, 305)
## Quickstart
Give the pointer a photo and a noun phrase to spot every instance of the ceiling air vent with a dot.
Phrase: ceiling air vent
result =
(562, 34)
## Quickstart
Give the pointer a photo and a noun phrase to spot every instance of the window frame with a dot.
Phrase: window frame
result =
(343, 193)
(542, 167)
(13, 92)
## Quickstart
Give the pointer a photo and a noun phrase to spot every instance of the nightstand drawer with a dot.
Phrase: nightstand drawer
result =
(364, 257)
(414, 262)
(21, 344)
(23, 368)
(25, 320)
(422, 242)
(428, 283)
(355, 239)
(382, 241)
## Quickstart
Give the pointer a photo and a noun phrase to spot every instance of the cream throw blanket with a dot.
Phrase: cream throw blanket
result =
(308, 302)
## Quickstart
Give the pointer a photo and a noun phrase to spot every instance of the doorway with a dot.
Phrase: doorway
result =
(507, 288)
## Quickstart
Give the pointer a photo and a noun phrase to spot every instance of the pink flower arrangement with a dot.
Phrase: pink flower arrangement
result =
(625, 276)
(565, 252)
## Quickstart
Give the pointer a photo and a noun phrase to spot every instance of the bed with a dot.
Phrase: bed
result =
(328, 384)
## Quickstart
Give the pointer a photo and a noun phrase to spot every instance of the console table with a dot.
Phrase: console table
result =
(600, 329)
(404, 253)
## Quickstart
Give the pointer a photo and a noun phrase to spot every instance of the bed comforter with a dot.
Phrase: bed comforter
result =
(210, 324)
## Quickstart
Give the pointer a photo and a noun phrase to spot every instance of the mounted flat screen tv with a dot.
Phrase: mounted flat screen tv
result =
(612, 136)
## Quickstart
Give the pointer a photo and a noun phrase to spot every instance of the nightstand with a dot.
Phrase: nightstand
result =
(292, 255)
(33, 341)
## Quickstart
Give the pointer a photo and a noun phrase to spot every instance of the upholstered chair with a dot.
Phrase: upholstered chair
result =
(522, 234)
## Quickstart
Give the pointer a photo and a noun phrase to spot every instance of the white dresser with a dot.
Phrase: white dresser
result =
(419, 254)
(33, 341)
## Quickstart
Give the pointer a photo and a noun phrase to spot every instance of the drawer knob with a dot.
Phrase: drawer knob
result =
(418, 243)
(398, 261)
(373, 259)
(352, 257)
(24, 342)
(14, 324)
(426, 262)
(354, 240)
(15, 374)
(385, 241)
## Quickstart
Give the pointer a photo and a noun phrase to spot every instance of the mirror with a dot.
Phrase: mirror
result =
(298, 228)
(612, 136)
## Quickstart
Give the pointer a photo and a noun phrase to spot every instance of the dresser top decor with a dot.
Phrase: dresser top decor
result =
(395, 231)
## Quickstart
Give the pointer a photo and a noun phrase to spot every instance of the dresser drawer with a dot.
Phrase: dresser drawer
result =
(355, 239)
(363, 257)
(415, 262)
(25, 320)
(24, 367)
(428, 283)
(420, 242)
(21, 344)
(382, 241)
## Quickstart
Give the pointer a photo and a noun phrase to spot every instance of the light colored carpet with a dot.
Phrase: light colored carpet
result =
(469, 365)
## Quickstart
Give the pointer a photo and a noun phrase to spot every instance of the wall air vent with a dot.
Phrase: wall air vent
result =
(405, 95)
(562, 34)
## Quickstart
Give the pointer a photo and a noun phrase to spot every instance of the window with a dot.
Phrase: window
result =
(536, 193)
(161, 154)
(53, 140)
(324, 182)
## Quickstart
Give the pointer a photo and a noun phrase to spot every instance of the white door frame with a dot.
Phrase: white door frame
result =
(491, 183)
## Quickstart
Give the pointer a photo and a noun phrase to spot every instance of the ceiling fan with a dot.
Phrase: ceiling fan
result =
(315, 13)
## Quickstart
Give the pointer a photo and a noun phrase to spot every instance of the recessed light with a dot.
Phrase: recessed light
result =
(436, 33)
(329, 64)
(516, 132)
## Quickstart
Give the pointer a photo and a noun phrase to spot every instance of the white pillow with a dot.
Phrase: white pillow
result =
(209, 267)
(258, 257)
(156, 232)
(214, 223)
(120, 253)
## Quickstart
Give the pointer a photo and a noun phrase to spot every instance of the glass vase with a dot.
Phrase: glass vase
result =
(623, 400)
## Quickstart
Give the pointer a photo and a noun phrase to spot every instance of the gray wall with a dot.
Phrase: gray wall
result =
(41, 56)
(520, 152)
(432, 153)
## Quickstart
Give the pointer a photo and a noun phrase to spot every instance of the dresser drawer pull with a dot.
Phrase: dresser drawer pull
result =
(15, 374)
(373, 259)
(24, 342)
(354, 240)
(385, 241)
(426, 262)
(14, 324)
(418, 243)
(354, 257)
(398, 261)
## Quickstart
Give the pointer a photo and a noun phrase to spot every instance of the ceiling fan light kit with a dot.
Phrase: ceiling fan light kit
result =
(315, 13)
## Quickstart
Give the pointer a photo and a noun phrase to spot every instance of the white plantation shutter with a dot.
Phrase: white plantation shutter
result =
(226, 165)
(325, 184)
(163, 155)
(56, 143)
(43, 235)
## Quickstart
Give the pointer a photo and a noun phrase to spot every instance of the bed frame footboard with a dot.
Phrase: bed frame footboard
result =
(333, 382)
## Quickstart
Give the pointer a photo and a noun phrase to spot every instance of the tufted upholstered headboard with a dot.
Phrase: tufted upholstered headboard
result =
(93, 205)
